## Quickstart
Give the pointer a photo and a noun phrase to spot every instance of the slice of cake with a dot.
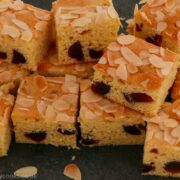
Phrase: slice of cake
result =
(159, 22)
(45, 111)
(162, 145)
(6, 105)
(83, 30)
(25, 32)
(135, 73)
(50, 66)
(103, 122)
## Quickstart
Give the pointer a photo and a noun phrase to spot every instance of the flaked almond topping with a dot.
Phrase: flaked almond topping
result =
(132, 69)
(170, 123)
(72, 171)
(89, 96)
(110, 118)
(101, 18)
(144, 54)
(155, 3)
(167, 68)
(26, 35)
(62, 117)
(70, 78)
(149, 135)
(70, 98)
(169, 4)
(154, 50)
(41, 25)
(156, 61)
(144, 16)
(85, 84)
(126, 39)
(50, 113)
(41, 106)
(90, 115)
(40, 82)
(178, 23)
(136, 9)
(159, 135)
(130, 56)
(25, 102)
(102, 60)
(159, 16)
(69, 16)
(4, 5)
(161, 26)
(20, 24)
(80, 67)
(111, 72)
(176, 132)
(112, 13)
(70, 87)
(121, 72)
(142, 1)
(17, 5)
(145, 83)
(59, 80)
(111, 56)
(26, 172)
(61, 105)
(41, 15)
(114, 46)
(158, 71)
(81, 22)
(162, 51)
(168, 138)
(11, 31)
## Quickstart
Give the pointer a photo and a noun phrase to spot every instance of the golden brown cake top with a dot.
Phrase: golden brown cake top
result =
(163, 16)
(136, 62)
(80, 18)
(166, 125)
(22, 21)
(47, 98)
(94, 106)
(176, 87)
(12, 72)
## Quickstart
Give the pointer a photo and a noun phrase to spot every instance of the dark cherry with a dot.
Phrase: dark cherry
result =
(134, 129)
(154, 150)
(18, 58)
(95, 54)
(88, 141)
(75, 51)
(157, 40)
(139, 27)
(36, 136)
(147, 168)
(3, 55)
(173, 167)
(100, 88)
(66, 132)
(168, 97)
(138, 97)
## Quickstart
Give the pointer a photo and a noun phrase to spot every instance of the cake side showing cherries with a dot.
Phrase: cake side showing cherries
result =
(135, 73)
(162, 145)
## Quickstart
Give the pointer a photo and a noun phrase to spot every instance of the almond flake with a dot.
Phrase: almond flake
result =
(26, 172)
(102, 60)
(11, 31)
(170, 123)
(155, 3)
(62, 117)
(85, 84)
(159, 135)
(162, 51)
(149, 135)
(136, 10)
(61, 105)
(168, 138)
(17, 5)
(89, 115)
(25, 102)
(144, 54)
(166, 70)
(178, 23)
(41, 106)
(50, 113)
(112, 13)
(81, 22)
(69, 16)
(26, 35)
(142, 1)
(170, 4)
(111, 56)
(70, 78)
(20, 24)
(176, 132)
(156, 61)
(144, 16)
(132, 69)
(41, 25)
(114, 46)
(121, 72)
(154, 50)
(70, 98)
(72, 171)
(145, 83)
(80, 67)
(130, 56)
(90, 97)
(159, 16)
(72, 87)
(41, 15)
(161, 26)
(111, 72)
(101, 18)
(126, 39)
(159, 73)
(40, 82)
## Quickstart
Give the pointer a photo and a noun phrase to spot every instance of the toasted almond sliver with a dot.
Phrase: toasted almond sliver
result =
(25, 102)
(178, 23)
(89, 96)
(102, 60)
(60, 105)
(162, 51)
(111, 72)
(111, 56)
(114, 46)
(41, 15)
(126, 39)
(176, 132)
(41, 25)
(149, 135)
(62, 117)
(85, 84)
(121, 72)
(159, 16)
(70, 78)
(81, 22)
(144, 54)
(145, 83)
(80, 67)
(156, 61)
(161, 26)
(155, 3)
(170, 4)
(41, 106)
(90, 115)
(154, 50)
(170, 123)
(11, 31)
(26, 172)
(167, 69)
(20, 24)
(169, 138)
(130, 56)
(72, 171)
(17, 5)
(26, 35)
(69, 16)
(145, 17)
(132, 69)
(112, 13)
(40, 82)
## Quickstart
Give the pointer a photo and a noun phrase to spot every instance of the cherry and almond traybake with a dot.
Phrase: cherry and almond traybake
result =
(136, 74)
(45, 110)
(103, 122)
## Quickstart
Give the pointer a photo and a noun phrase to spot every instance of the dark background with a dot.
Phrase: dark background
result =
(102, 163)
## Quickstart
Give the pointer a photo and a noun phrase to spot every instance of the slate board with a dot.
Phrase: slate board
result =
(101, 163)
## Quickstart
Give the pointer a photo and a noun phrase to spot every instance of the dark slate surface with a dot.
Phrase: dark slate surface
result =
(106, 163)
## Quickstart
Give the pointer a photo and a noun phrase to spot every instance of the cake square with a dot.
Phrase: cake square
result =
(175, 94)
(25, 33)
(6, 105)
(83, 30)
(50, 66)
(162, 144)
(159, 22)
(45, 110)
(136, 74)
(103, 122)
